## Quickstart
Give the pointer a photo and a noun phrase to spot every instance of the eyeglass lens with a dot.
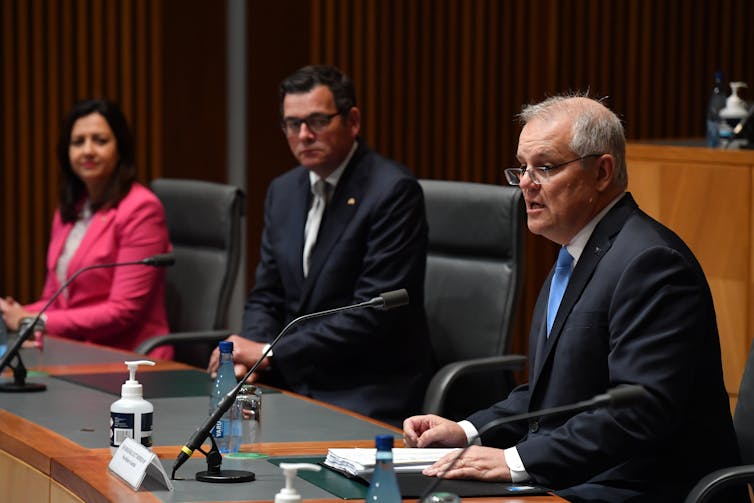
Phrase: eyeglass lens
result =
(315, 122)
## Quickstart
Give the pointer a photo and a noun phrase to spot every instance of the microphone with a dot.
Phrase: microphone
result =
(25, 330)
(387, 300)
(620, 396)
(160, 260)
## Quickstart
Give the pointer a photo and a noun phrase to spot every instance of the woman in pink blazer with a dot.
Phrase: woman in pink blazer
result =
(103, 216)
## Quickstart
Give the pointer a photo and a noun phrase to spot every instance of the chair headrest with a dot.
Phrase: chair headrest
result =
(473, 218)
(199, 212)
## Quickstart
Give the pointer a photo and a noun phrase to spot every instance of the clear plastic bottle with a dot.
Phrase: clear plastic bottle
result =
(3, 337)
(227, 431)
(716, 103)
(383, 487)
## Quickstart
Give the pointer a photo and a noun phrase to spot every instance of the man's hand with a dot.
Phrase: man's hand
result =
(432, 431)
(245, 355)
(477, 463)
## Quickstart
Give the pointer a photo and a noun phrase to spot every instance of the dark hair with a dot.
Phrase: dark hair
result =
(71, 189)
(307, 78)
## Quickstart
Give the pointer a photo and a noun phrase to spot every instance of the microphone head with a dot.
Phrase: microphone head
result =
(160, 260)
(626, 395)
(394, 298)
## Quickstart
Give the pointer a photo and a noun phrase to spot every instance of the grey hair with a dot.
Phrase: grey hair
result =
(595, 129)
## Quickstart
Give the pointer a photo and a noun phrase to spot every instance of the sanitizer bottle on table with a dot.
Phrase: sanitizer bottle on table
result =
(131, 416)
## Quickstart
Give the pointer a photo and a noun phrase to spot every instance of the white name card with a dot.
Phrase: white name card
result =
(132, 462)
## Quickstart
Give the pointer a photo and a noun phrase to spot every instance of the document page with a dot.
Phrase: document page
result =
(360, 461)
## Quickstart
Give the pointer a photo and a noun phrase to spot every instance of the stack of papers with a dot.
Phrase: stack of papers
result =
(359, 461)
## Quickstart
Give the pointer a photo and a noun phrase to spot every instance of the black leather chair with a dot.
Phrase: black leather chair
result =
(204, 221)
(472, 288)
(743, 421)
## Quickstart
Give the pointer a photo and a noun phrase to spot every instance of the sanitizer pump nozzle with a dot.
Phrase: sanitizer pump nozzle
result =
(132, 382)
(288, 494)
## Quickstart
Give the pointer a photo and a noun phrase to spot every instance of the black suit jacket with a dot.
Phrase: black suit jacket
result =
(637, 310)
(372, 239)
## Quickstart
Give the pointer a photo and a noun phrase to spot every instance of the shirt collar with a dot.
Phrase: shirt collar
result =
(578, 243)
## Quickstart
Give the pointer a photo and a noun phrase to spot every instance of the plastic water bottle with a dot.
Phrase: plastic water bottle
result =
(227, 431)
(3, 337)
(384, 486)
(716, 103)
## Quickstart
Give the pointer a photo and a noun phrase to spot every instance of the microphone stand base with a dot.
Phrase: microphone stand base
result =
(225, 476)
(12, 387)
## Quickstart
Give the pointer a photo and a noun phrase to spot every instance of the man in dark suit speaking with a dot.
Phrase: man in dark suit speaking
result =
(635, 309)
(341, 228)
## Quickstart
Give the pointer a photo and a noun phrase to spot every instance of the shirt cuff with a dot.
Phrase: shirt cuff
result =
(516, 466)
(265, 348)
(472, 435)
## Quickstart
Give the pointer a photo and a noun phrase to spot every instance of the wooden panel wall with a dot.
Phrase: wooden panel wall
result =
(440, 81)
(55, 53)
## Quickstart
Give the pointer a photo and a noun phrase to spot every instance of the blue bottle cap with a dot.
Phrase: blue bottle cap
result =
(384, 442)
(226, 347)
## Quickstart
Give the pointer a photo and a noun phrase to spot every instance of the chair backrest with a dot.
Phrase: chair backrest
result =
(743, 418)
(204, 222)
(474, 272)
(734, 478)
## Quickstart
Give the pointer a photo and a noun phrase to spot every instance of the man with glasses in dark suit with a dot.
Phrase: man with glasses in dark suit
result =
(627, 303)
(341, 228)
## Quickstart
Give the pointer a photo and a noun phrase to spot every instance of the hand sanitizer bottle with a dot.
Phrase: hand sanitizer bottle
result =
(131, 416)
(734, 111)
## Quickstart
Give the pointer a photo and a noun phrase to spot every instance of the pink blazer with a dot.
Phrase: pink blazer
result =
(120, 306)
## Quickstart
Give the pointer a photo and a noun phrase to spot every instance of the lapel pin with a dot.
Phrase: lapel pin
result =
(351, 201)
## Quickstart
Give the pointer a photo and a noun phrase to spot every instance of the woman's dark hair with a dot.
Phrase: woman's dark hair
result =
(71, 189)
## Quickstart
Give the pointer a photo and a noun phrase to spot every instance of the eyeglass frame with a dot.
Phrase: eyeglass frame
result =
(544, 171)
(284, 123)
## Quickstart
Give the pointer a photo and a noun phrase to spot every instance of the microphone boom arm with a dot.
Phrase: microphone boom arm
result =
(386, 300)
(19, 371)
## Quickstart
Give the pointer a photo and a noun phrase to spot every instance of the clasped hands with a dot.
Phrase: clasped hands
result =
(477, 463)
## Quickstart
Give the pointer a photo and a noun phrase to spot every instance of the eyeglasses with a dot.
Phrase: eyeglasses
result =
(316, 123)
(538, 174)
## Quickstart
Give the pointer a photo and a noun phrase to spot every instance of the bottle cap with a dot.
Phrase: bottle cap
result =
(288, 494)
(226, 347)
(132, 388)
(384, 442)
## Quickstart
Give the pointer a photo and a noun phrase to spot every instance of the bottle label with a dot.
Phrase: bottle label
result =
(219, 431)
(146, 429)
(122, 427)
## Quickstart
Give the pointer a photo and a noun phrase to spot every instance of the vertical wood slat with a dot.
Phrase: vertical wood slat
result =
(23, 207)
(39, 103)
(8, 130)
(53, 54)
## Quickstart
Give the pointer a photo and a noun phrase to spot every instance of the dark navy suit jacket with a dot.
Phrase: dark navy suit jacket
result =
(372, 239)
(637, 310)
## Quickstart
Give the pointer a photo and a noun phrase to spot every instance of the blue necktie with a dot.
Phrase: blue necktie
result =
(558, 285)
